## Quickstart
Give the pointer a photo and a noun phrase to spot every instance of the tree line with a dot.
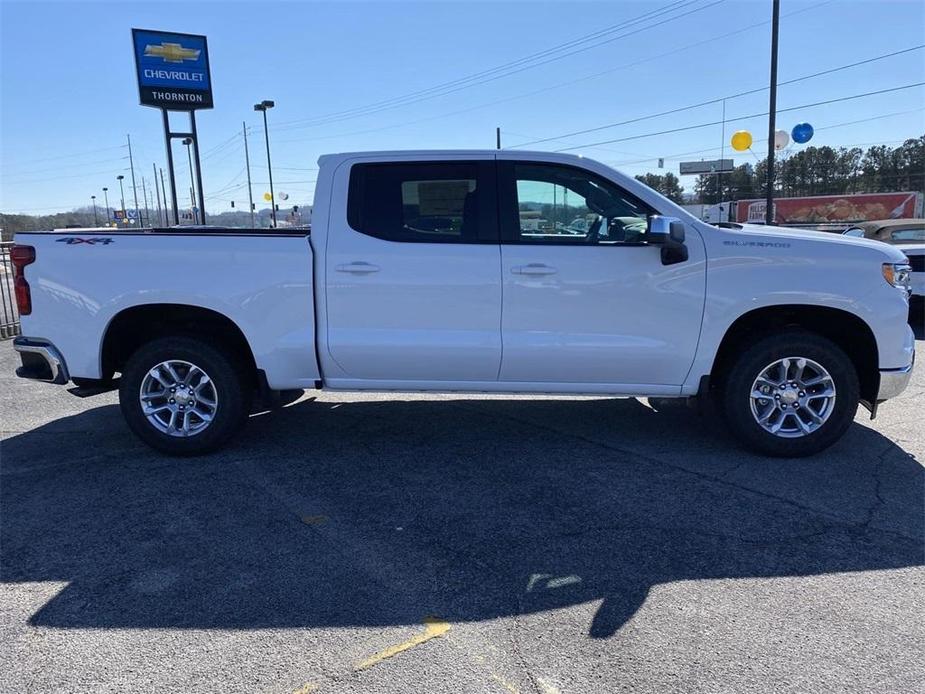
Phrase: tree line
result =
(809, 171)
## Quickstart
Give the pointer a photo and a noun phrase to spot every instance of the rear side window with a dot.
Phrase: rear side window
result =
(427, 202)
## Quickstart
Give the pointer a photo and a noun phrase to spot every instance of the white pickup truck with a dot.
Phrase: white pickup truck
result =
(428, 271)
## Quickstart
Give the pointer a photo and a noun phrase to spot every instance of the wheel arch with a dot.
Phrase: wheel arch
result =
(847, 330)
(134, 326)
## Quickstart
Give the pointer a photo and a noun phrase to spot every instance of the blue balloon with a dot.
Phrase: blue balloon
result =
(802, 132)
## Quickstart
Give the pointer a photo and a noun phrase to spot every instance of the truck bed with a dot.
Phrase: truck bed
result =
(82, 279)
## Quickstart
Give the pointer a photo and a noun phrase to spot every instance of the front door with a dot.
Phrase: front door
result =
(413, 278)
(586, 299)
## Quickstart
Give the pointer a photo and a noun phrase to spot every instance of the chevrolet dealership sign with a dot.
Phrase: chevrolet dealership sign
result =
(173, 70)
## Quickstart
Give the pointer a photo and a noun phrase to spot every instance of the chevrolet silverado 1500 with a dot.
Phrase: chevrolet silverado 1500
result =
(471, 271)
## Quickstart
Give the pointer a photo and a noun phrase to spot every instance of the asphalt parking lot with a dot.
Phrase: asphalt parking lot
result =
(366, 543)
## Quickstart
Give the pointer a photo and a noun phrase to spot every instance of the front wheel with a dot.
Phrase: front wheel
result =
(790, 395)
(183, 396)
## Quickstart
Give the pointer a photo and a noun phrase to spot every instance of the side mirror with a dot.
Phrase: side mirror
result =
(660, 230)
(667, 232)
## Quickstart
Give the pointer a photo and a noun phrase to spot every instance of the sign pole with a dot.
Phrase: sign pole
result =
(202, 202)
(173, 180)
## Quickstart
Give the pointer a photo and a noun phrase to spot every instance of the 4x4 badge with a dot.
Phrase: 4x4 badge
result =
(71, 240)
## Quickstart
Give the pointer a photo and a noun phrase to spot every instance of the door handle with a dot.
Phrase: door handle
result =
(533, 269)
(358, 268)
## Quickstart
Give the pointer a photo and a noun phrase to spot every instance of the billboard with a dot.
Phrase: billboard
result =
(173, 70)
(833, 209)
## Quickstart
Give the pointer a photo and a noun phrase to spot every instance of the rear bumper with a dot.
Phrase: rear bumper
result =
(41, 361)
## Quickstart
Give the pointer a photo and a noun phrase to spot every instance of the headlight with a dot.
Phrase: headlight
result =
(898, 275)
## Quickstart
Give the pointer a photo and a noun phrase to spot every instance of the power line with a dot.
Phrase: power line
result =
(737, 118)
(471, 81)
(56, 178)
(719, 99)
(6, 174)
(76, 154)
(559, 85)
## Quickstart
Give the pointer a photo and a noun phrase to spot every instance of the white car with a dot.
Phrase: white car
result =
(417, 275)
(909, 236)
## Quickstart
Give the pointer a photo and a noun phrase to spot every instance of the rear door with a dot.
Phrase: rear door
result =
(586, 299)
(413, 276)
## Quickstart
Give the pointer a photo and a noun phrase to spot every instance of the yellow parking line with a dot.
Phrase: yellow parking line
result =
(504, 683)
(433, 627)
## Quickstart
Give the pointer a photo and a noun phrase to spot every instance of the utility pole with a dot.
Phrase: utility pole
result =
(106, 197)
(157, 193)
(719, 174)
(144, 191)
(131, 163)
(497, 138)
(247, 159)
(96, 220)
(772, 113)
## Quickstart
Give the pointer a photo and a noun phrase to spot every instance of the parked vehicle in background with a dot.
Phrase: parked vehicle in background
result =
(442, 271)
(909, 236)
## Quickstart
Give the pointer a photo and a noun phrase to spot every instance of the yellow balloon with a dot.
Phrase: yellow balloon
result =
(267, 197)
(741, 140)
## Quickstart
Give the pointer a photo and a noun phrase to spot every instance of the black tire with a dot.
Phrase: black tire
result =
(735, 392)
(227, 375)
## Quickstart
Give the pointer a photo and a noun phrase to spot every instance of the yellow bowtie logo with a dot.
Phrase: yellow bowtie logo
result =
(171, 52)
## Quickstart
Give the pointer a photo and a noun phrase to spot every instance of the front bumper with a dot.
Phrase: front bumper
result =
(41, 361)
(894, 381)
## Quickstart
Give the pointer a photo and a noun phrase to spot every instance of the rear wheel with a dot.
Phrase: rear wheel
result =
(183, 396)
(791, 395)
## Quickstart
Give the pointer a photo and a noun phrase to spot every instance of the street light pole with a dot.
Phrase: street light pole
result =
(192, 182)
(772, 114)
(106, 197)
(122, 196)
(96, 220)
(264, 106)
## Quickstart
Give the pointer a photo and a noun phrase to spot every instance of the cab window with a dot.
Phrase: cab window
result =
(555, 204)
(425, 202)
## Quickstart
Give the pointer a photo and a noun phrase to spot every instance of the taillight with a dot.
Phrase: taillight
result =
(20, 257)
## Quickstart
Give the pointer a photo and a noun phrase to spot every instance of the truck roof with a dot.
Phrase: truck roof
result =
(437, 153)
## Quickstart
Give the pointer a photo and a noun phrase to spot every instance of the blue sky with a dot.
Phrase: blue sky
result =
(68, 95)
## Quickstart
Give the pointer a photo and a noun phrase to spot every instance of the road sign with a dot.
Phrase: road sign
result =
(713, 166)
(173, 70)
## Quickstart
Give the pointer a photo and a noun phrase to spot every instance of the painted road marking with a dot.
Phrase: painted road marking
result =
(433, 627)
(313, 520)
(504, 683)
(552, 581)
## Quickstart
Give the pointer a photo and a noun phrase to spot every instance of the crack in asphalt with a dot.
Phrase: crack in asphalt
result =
(711, 479)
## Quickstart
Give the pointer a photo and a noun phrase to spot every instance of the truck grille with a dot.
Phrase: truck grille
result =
(917, 262)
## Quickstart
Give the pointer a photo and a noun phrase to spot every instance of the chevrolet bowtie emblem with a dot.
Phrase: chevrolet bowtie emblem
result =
(171, 52)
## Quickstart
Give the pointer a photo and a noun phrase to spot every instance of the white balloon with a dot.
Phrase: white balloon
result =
(285, 196)
(781, 139)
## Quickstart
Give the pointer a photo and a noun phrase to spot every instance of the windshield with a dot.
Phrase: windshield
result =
(908, 236)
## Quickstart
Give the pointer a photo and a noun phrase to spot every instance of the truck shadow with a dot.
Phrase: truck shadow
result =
(382, 512)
